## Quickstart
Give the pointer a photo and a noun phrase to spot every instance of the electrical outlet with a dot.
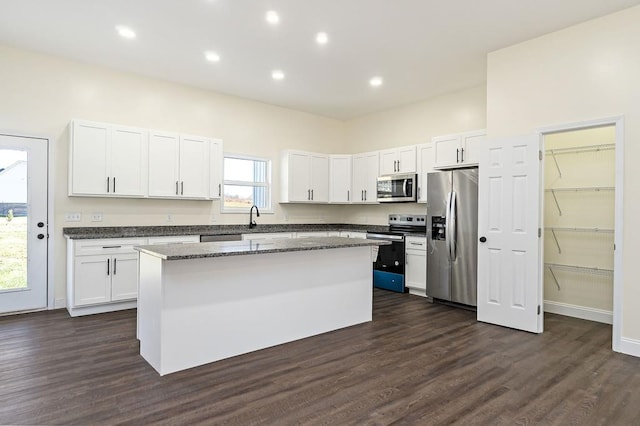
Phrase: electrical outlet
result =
(73, 217)
(213, 218)
(169, 217)
(96, 217)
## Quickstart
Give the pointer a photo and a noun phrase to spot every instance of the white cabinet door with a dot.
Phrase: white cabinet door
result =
(425, 166)
(194, 167)
(398, 160)
(472, 143)
(128, 161)
(365, 173)
(319, 178)
(88, 163)
(446, 150)
(124, 277)
(407, 159)
(416, 269)
(388, 162)
(459, 150)
(91, 280)
(340, 179)
(299, 177)
(215, 169)
(164, 152)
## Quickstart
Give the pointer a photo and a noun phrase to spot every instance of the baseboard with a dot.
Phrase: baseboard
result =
(629, 346)
(417, 291)
(581, 312)
(59, 303)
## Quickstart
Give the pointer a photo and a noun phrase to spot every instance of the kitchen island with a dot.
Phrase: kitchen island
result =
(203, 302)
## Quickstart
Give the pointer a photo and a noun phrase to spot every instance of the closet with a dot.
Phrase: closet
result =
(579, 180)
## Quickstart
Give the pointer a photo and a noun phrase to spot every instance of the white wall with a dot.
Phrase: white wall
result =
(411, 125)
(584, 72)
(41, 94)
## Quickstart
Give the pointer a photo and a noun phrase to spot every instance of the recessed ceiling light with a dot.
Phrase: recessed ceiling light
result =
(125, 32)
(272, 17)
(376, 81)
(211, 56)
(277, 75)
(322, 38)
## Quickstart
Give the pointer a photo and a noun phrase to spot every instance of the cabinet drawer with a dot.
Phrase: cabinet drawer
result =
(107, 246)
(416, 243)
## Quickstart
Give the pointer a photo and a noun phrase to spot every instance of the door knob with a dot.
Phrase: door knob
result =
(40, 236)
(483, 239)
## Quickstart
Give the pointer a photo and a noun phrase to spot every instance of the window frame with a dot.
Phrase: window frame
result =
(268, 184)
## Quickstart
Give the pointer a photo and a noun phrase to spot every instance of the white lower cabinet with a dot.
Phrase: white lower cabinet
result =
(267, 236)
(174, 239)
(102, 275)
(353, 234)
(416, 265)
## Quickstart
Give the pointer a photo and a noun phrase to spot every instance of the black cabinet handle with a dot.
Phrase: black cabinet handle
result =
(176, 187)
(483, 239)
(114, 184)
(219, 190)
(182, 188)
(462, 155)
(457, 155)
(108, 266)
(348, 195)
(108, 184)
(365, 195)
(115, 265)
(312, 195)
(40, 236)
(40, 225)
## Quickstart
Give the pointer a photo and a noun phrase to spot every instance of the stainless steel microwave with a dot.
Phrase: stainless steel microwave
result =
(399, 188)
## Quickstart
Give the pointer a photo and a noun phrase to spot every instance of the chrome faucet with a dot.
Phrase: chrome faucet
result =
(252, 223)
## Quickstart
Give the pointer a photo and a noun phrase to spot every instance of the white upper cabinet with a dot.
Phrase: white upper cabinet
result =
(458, 150)
(304, 177)
(215, 169)
(365, 174)
(178, 166)
(340, 179)
(425, 166)
(107, 160)
(398, 160)
(194, 167)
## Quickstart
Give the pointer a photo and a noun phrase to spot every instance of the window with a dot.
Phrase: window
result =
(247, 181)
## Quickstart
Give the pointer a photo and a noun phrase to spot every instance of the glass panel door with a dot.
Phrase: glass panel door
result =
(23, 224)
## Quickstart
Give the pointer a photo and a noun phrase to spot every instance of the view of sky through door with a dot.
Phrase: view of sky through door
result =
(13, 219)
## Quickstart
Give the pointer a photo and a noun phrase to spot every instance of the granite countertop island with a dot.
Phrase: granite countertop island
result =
(239, 248)
(202, 302)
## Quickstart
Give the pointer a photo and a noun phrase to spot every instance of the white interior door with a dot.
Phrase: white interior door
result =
(509, 283)
(23, 224)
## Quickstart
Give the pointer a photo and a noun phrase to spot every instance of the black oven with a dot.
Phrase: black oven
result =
(389, 267)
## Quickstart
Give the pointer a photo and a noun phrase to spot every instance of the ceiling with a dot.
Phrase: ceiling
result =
(421, 48)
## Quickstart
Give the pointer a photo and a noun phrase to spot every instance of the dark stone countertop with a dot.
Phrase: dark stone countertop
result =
(96, 232)
(239, 248)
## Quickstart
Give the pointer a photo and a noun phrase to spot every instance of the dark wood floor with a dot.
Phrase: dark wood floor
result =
(416, 363)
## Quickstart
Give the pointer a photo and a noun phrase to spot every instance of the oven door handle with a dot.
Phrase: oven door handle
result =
(385, 237)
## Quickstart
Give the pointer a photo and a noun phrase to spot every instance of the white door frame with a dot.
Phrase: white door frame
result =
(618, 122)
(50, 211)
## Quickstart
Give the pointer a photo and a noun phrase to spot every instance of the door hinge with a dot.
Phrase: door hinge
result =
(538, 309)
(540, 155)
(539, 232)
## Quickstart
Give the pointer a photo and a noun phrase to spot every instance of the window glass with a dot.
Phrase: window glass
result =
(247, 181)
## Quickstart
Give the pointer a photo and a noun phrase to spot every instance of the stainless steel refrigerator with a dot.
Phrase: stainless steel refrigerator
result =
(452, 236)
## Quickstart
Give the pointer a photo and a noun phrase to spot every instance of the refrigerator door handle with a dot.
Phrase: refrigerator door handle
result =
(453, 227)
(447, 226)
